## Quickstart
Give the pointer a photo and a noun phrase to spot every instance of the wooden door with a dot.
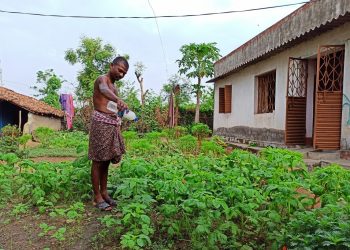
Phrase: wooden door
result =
(328, 98)
(296, 102)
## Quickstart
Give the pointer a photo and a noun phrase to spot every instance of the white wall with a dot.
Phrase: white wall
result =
(310, 98)
(345, 133)
(243, 100)
(35, 121)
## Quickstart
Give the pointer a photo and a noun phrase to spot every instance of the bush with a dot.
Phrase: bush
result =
(9, 142)
(180, 131)
(43, 134)
(188, 143)
(10, 130)
(200, 130)
(210, 147)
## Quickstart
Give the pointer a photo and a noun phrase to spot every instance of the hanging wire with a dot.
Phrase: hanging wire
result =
(149, 17)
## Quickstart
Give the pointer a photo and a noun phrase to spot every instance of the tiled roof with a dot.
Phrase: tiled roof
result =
(29, 103)
(308, 21)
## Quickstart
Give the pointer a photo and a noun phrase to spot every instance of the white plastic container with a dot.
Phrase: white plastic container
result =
(127, 114)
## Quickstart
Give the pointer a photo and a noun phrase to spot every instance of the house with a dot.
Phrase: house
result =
(290, 84)
(27, 112)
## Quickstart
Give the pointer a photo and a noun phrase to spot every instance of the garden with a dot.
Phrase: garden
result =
(175, 188)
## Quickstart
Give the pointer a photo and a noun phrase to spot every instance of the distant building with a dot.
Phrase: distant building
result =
(27, 112)
(290, 84)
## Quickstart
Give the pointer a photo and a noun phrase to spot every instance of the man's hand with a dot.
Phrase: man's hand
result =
(122, 105)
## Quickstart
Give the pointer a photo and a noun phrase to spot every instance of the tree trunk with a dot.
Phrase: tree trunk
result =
(140, 80)
(196, 117)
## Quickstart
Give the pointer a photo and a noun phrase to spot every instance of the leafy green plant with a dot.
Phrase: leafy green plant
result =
(43, 135)
(188, 143)
(201, 131)
(59, 234)
(45, 229)
(19, 209)
(210, 147)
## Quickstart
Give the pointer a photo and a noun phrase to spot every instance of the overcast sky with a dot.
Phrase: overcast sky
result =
(29, 43)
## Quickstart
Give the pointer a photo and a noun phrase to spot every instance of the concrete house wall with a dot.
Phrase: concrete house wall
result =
(36, 121)
(244, 122)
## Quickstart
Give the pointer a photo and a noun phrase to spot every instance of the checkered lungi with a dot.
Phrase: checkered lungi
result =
(105, 142)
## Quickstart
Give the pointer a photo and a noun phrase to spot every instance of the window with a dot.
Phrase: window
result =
(266, 92)
(225, 99)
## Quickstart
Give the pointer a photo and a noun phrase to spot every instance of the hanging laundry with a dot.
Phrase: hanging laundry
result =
(66, 101)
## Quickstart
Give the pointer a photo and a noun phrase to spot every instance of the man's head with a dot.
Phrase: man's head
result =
(119, 67)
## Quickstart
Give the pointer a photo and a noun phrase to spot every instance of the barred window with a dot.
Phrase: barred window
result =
(266, 92)
(225, 99)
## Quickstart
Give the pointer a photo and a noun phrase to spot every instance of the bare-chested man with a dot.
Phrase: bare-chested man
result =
(106, 143)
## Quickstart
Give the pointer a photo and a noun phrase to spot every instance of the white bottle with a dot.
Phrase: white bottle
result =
(130, 115)
(127, 114)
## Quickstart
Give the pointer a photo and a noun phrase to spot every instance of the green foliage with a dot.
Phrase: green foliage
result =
(11, 140)
(51, 85)
(198, 59)
(188, 143)
(182, 98)
(331, 184)
(43, 135)
(209, 201)
(10, 130)
(152, 116)
(95, 58)
(180, 131)
(129, 135)
(198, 62)
(324, 228)
(44, 184)
(200, 130)
(58, 143)
(210, 147)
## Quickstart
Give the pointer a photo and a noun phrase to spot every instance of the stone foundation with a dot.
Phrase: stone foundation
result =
(345, 154)
(262, 137)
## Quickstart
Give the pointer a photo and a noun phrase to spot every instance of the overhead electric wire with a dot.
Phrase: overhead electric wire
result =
(161, 40)
(149, 17)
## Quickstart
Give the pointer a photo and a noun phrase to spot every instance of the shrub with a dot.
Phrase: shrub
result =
(188, 143)
(43, 134)
(201, 130)
(10, 130)
(210, 147)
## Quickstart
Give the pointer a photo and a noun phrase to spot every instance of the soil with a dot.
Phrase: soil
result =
(22, 232)
(53, 159)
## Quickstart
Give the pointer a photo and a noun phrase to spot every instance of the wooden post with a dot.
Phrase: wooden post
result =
(20, 120)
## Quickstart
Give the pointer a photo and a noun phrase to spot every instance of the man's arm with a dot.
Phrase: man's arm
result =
(109, 94)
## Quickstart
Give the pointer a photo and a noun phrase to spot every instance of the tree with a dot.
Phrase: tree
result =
(51, 84)
(95, 57)
(139, 69)
(179, 89)
(207, 104)
(198, 62)
(184, 97)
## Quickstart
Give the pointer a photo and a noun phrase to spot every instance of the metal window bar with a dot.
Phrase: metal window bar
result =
(266, 92)
(331, 68)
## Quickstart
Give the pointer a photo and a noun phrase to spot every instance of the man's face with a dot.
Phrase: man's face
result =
(118, 70)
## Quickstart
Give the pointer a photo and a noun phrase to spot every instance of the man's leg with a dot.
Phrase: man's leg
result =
(95, 180)
(103, 180)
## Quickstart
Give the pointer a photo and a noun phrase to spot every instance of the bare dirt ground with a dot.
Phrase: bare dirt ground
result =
(53, 159)
(22, 232)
